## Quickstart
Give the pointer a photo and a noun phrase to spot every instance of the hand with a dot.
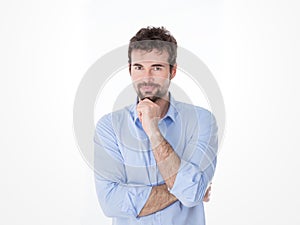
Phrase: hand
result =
(149, 115)
(207, 194)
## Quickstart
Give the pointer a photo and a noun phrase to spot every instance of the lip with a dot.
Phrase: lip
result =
(147, 88)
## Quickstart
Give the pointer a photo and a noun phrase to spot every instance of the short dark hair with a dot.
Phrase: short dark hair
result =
(150, 38)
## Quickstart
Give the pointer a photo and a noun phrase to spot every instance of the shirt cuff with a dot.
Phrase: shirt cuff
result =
(188, 184)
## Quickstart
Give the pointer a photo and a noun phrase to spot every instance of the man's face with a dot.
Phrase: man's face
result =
(150, 73)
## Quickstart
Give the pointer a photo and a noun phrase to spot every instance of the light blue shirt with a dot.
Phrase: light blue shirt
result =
(126, 170)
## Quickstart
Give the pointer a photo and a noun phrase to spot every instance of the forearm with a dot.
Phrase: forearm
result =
(159, 199)
(166, 158)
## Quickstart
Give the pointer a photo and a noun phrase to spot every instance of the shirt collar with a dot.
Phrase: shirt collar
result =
(171, 113)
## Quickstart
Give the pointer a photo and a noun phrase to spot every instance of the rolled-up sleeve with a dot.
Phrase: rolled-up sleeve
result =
(117, 199)
(198, 162)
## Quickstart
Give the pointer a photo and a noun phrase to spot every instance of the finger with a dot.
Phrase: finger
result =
(207, 194)
(206, 198)
(146, 98)
(145, 107)
(148, 102)
(140, 115)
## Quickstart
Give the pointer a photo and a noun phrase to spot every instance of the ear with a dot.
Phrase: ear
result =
(129, 68)
(173, 72)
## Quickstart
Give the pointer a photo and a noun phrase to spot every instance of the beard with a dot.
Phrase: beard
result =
(151, 95)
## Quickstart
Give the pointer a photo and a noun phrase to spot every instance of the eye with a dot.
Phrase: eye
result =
(137, 67)
(157, 68)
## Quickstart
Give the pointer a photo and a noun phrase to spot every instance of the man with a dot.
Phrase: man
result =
(155, 159)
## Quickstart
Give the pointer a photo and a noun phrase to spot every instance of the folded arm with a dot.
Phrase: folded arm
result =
(188, 177)
(186, 182)
(116, 197)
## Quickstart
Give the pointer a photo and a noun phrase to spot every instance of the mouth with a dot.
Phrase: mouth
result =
(148, 88)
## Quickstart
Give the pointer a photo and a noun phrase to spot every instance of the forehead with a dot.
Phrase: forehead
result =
(155, 56)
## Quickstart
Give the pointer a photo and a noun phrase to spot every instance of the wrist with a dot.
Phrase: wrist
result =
(156, 138)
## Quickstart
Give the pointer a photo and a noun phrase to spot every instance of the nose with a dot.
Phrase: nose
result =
(148, 75)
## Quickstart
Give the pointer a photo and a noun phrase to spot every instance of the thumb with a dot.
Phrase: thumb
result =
(140, 116)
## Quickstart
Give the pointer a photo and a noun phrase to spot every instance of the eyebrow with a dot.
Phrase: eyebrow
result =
(154, 65)
(137, 64)
(158, 65)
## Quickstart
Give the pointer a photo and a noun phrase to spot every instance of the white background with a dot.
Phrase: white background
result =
(251, 47)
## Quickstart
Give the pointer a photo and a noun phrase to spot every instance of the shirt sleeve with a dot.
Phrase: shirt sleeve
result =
(198, 162)
(117, 199)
